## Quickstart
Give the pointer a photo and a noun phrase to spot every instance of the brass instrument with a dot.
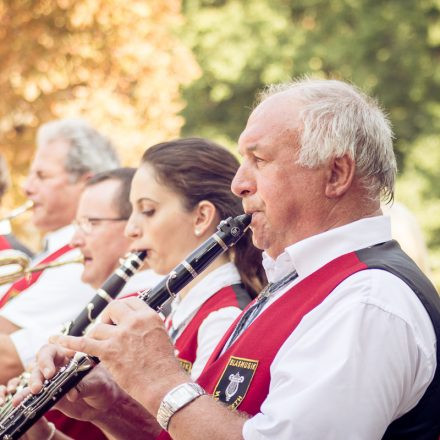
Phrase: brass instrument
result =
(18, 211)
(15, 265)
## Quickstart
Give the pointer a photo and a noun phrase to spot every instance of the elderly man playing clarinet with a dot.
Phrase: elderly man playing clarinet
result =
(342, 343)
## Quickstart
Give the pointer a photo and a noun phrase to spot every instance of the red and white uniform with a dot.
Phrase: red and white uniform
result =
(344, 367)
(211, 316)
(55, 298)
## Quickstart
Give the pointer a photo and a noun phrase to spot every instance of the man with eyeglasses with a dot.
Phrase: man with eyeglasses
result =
(68, 153)
(102, 214)
(103, 211)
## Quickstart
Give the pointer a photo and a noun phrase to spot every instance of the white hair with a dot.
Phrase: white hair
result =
(338, 119)
(89, 150)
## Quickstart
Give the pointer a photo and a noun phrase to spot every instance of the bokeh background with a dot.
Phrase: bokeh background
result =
(144, 71)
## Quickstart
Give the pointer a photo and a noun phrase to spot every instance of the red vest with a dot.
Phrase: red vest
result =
(76, 429)
(27, 281)
(186, 343)
(240, 377)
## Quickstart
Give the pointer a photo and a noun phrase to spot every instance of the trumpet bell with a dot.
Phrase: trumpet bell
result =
(13, 264)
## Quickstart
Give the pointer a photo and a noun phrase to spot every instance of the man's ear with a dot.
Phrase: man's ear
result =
(83, 178)
(340, 176)
(205, 214)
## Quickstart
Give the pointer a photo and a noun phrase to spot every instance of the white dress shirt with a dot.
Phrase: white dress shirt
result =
(359, 360)
(214, 326)
(55, 298)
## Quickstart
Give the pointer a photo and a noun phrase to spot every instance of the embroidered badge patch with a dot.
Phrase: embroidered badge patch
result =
(235, 380)
(186, 365)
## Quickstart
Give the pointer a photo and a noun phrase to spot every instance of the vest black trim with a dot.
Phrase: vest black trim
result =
(242, 295)
(423, 421)
(18, 245)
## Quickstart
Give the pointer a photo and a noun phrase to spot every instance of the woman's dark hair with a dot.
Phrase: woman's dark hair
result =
(197, 170)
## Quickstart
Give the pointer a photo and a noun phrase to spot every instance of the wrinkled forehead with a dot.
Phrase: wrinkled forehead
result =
(274, 120)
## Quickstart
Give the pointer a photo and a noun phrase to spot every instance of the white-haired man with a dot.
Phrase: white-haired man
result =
(343, 345)
(68, 153)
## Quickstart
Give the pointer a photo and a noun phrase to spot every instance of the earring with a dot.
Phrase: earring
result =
(197, 232)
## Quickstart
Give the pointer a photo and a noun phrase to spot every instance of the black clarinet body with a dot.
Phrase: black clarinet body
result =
(31, 409)
(110, 289)
(229, 231)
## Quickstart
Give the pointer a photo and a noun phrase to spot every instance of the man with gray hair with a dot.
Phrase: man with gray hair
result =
(68, 153)
(342, 344)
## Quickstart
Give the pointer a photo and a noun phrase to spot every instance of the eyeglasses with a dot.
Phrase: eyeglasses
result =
(86, 224)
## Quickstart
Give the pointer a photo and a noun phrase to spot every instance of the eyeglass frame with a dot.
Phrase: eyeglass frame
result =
(79, 224)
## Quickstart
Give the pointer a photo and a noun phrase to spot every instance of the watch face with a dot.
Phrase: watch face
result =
(180, 395)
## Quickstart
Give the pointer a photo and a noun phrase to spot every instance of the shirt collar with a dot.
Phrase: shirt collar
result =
(182, 310)
(310, 254)
(59, 238)
(277, 269)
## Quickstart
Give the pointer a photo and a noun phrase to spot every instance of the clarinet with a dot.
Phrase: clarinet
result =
(110, 289)
(31, 409)
(105, 294)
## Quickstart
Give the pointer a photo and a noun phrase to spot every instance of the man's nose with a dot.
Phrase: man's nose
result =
(77, 240)
(28, 186)
(243, 182)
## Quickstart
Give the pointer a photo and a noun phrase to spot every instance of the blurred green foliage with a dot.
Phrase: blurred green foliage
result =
(388, 48)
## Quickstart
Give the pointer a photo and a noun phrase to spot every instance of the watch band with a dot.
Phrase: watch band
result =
(176, 399)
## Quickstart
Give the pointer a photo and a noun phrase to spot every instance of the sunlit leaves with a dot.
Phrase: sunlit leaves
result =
(118, 63)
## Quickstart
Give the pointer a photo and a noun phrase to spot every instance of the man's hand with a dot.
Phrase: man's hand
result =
(9, 389)
(97, 392)
(133, 345)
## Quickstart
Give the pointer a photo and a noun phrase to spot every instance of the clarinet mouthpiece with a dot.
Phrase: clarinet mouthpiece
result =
(244, 219)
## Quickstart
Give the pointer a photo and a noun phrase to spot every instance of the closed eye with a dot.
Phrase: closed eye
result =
(259, 160)
(41, 175)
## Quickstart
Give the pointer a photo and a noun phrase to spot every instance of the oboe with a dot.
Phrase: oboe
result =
(229, 231)
(110, 289)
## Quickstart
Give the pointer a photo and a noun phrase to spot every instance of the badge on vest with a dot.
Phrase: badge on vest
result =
(235, 381)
